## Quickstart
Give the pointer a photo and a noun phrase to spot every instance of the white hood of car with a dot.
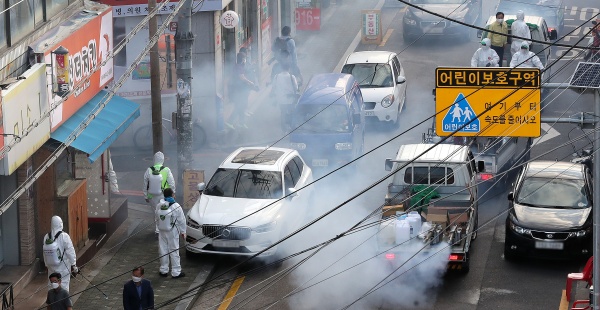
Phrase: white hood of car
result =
(226, 210)
(376, 94)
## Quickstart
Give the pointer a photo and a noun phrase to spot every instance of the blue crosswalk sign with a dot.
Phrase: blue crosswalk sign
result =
(459, 114)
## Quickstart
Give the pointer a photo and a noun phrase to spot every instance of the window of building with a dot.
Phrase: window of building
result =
(2, 25)
(21, 19)
(54, 7)
(38, 12)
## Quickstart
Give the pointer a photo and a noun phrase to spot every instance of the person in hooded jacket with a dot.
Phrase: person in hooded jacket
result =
(526, 59)
(519, 29)
(172, 225)
(485, 56)
(167, 182)
(66, 253)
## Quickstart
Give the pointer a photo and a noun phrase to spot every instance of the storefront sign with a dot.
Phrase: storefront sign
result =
(89, 42)
(191, 178)
(230, 19)
(23, 104)
(308, 19)
(371, 27)
(124, 8)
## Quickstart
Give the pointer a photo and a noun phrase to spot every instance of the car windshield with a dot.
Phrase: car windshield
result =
(243, 183)
(437, 1)
(544, 192)
(370, 74)
(321, 118)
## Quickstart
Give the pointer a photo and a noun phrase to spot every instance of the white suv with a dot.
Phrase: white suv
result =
(381, 79)
(250, 179)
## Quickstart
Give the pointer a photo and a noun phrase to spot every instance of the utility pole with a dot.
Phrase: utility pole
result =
(184, 40)
(157, 137)
(596, 211)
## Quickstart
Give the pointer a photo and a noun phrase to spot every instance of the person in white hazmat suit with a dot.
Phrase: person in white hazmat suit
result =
(485, 56)
(156, 179)
(526, 59)
(59, 253)
(171, 225)
(520, 29)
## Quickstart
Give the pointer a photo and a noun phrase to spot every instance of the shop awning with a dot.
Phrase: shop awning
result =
(116, 116)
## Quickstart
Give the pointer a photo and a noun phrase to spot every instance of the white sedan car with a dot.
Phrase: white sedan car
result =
(250, 180)
(382, 83)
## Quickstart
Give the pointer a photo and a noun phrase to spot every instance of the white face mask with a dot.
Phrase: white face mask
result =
(500, 20)
(55, 285)
(136, 279)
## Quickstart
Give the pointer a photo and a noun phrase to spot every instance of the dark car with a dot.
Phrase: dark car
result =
(416, 22)
(553, 11)
(550, 212)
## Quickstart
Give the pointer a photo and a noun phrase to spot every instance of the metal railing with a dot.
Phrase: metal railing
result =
(8, 302)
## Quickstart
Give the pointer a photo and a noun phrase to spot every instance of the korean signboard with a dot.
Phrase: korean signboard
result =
(371, 27)
(124, 8)
(191, 178)
(23, 104)
(88, 38)
(506, 100)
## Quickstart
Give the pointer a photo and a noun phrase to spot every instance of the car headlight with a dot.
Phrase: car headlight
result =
(191, 223)
(265, 227)
(343, 146)
(387, 101)
(297, 146)
(519, 230)
(410, 21)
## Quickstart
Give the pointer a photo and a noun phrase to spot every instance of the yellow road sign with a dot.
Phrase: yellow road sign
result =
(464, 93)
(516, 116)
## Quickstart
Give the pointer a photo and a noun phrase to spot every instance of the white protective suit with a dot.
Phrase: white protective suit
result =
(153, 200)
(520, 29)
(485, 56)
(168, 240)
(66, 250)
(526, 59)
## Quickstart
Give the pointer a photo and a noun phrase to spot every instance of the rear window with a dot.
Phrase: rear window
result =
(243, 183)
(429, 175)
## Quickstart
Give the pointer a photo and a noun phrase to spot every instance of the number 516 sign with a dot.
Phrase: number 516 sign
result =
(308, 19)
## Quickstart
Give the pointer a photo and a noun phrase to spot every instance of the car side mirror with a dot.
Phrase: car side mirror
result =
(553, 34)
(356, 118)
(201, 186)
(480, 166)
(388, 164)
(510, 196)
(291, 193)
(400, 79)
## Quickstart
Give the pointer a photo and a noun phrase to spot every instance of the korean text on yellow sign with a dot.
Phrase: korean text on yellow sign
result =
(492, 102)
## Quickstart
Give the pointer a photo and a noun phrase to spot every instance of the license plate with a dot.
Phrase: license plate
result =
(549, 245)
(320, 162)
(436, 30)
(369, 113)
(226, 243)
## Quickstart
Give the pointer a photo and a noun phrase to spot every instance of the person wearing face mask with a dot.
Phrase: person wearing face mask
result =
(499, 38)
(519, 29)
(485, 56)
(526, 59)
(171, 225)
(59, 253)
(57, 297)
(137, 292)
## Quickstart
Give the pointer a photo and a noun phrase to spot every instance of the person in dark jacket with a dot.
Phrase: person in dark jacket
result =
(137, 292)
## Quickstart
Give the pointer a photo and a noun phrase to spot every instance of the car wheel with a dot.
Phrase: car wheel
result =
(191, 254)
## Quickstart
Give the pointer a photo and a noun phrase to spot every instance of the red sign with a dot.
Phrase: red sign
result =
(89, 45)
(173, 26)
(308, 19)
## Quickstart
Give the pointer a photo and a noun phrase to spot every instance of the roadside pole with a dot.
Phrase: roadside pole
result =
(596, 212)
(157, 137)
(184, 40)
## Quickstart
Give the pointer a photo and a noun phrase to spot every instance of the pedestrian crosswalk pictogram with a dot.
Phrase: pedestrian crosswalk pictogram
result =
(460, 115)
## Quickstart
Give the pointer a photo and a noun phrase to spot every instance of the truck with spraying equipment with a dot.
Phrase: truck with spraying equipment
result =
(430, 204)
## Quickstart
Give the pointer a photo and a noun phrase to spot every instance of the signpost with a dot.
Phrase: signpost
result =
(464, 93)
(191, 178)
(371, 27)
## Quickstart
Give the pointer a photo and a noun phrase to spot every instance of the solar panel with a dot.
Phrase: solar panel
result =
(587, 75)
